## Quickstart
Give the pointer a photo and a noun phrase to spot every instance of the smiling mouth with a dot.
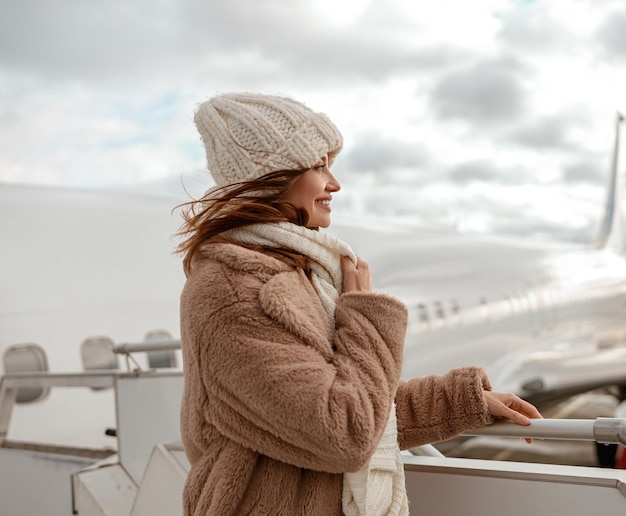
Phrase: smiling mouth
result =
(325, 203)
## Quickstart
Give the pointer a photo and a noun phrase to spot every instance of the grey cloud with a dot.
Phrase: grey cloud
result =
(485, 93)
(242, 24)
(520, 219)
(305, 49)
(531, 29)
(386, 157)
(476, 170)
(75, 38)
(585, 171)
(394, 202)
(612, 34)
(500, 215)
(551, 132)
(489, 172)
(270, 42)
(345, 60)
(100, 40)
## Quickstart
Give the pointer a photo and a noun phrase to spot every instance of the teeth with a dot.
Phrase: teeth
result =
(325, 203)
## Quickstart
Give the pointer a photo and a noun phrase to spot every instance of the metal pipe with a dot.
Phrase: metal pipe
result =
(426, 450)
(610, 430)
(603, 430)
(151, 345)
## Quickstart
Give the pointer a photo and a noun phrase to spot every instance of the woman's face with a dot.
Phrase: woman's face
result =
(312, 191)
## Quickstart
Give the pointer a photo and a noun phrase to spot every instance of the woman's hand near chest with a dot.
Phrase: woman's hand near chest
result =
(356, 278)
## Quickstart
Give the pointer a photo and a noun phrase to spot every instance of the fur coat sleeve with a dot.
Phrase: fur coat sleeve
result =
(434, 408)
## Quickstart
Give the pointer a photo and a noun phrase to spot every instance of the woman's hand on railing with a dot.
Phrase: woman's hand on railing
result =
(510, 406)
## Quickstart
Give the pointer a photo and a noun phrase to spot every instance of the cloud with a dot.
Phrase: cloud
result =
(475, 170)
(611, 34)
(73, 39)
(586, 171)
(532, 29)
(556, 131)
(227, 42)
(383, 156)
(302, 47)
(543, 212)
(489, 91)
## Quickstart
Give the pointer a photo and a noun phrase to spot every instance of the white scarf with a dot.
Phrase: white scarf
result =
(378, 489)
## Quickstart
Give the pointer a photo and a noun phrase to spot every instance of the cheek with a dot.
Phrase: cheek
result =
(308, 190)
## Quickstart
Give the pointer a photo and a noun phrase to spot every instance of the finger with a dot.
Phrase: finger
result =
(346, 262)
(364, 269)
(515, 416)
(528, 409)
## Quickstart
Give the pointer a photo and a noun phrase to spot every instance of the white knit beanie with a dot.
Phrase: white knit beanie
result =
(247, 135)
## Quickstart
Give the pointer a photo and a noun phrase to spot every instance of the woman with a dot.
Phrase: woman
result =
(293, 402)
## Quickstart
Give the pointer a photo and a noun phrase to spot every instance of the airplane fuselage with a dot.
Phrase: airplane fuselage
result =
(498, 302)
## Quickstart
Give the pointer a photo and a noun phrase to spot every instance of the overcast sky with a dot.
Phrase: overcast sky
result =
(482, 115)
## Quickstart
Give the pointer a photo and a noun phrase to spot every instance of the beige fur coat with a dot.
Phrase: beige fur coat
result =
(278, 404)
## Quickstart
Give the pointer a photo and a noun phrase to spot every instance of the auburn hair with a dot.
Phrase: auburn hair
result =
(237, 205)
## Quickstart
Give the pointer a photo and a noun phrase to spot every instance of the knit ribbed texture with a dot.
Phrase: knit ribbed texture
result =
(247, 135)
(379, 488)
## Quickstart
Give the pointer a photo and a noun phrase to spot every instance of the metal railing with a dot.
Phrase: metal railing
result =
(605, 430)
(152, 345)
(10, 383)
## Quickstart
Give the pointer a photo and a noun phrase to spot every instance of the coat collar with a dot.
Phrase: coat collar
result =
(239, 258)
(286, 296)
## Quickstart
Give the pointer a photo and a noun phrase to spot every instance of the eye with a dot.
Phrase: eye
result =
(321, 168)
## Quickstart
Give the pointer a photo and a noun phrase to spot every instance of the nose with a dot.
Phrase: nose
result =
(333, 185)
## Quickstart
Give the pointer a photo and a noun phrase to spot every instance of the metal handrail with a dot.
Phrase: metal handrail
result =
(606, 430)
(94, 379)
(150, 345)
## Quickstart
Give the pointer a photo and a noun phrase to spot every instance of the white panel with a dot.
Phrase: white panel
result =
(442, 487)
(104, 491)
(148, 413)
(161, 491)
(37, 483)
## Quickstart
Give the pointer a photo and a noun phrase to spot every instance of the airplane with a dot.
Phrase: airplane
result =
(86, 275)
